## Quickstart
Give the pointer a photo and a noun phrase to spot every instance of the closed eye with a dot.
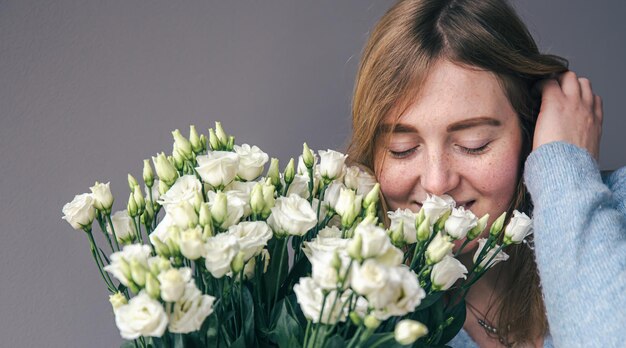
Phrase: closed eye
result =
(474, 151)
(402, 154)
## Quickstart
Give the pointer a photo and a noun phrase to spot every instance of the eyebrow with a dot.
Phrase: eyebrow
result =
(473, 122)
(461, 125)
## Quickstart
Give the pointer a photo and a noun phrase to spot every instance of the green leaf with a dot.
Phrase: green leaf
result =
(270, 278)
(388, 344)
(429, 300)
(248, 316)
(302, 268)
(458, 312)
(336, 341)
(286, 331)
(128, 344)
(239, 343)
(212, 331)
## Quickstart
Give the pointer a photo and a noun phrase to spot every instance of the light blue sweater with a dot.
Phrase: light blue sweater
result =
(580, 247)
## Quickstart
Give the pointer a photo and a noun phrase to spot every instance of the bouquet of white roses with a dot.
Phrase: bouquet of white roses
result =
(213, 254)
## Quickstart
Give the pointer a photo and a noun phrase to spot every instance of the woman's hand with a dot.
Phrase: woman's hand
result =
(570, 112)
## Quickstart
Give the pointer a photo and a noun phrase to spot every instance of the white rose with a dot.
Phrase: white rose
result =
(238, 192)
(332, 164)
(173, 282)
(80, 212)
(190, 311)
(252, 237)
(369, 277)
(391, 257)
(386, 295)
(323, 272)
(331, 195)
(359, 180)
(348, 206)
(329, 232)
(324, 244)
(218, 168)
(460, 222)
(117, 300)
(235, 208)
(292, 215)
(411, 293)
(142, 316)
(435, 206)
(165, 169)
(299, 186)
(408, 331)
(220, 252)
(184, 189)
(439, 247)
(184, 215)
(249, 269)
(102, 197)
(302, 170)
(191, 244)
(124, 228)
(518, 228)
(251, 161)
(162, 230)
(408, 218)
(121, 260)
(374, 239)
(241, 189)
(158, 264)
(311, 299)
(446, 272)
(501, 256)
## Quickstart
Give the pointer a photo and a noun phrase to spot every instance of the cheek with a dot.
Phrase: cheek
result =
(397, 183)
(496, 181)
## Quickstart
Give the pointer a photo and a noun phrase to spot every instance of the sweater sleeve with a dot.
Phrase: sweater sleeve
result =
(580, 245)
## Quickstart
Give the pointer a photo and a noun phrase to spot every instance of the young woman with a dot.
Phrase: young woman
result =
(458, 100)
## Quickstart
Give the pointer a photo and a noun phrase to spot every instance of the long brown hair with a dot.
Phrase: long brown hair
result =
(487, 35)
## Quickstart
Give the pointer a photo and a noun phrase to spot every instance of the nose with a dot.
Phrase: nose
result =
(439, 175)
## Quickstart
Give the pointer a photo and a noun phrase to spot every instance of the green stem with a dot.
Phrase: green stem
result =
(99, 262)
(382, 340)
(306, 333)
(137, 229)
(458, 252)
(108, 216)
(283, 251)
(319, 320)
(355, 337)
(104, 230)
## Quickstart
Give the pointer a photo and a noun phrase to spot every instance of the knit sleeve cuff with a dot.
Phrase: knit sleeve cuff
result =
(559, 167)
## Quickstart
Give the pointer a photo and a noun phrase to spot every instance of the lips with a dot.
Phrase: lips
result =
(467, 204)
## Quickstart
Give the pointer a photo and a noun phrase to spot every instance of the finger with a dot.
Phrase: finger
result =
(569, 84)
(586, 91)
(597, 107)
(549, 88)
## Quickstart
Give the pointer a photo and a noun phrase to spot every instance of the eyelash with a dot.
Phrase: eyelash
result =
(402, 154)
(469, 151)
(475, 151)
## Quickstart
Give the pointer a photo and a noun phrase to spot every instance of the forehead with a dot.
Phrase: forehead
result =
(451, 92)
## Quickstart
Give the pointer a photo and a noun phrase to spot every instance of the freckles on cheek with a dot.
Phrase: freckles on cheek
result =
(394, 184)
(500, 183)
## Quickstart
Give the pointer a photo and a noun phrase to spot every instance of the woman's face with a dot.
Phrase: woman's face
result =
(460, 137)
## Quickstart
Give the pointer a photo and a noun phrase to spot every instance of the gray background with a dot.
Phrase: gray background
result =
(90, 88)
